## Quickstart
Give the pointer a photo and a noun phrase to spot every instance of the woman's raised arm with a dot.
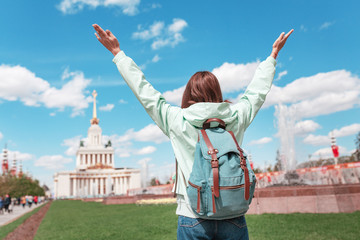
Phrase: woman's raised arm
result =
(107, 39)
(279, 43)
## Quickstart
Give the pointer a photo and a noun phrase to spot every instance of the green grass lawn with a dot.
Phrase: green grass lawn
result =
(5, 230)
(81, 220)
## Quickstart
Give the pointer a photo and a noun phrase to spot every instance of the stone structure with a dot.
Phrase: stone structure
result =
(306, 199)
(95, 174)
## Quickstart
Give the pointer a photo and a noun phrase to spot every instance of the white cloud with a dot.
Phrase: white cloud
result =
(150, 133)
(19, 156)
(122, 101)
(317, 140)
(107, 108)
(303, 28)
(174, 96)
(347, 130)
(305, 127)
(234, 77)
(1, 136)
(129, 7)
(54, 162)
(321, 94)
(145, 150)
(123, 145)
(162, 35)
(70, 95)
(143, 162)
(18, 83)
(178, 25)
(326, 140)
(327, 153)
(261, 141)
(326, 25)
(155, 59)
(280, 75)
(154, 30)
(72, 144)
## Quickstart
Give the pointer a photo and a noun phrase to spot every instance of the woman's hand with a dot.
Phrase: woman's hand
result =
(107, 39)
(279, 43)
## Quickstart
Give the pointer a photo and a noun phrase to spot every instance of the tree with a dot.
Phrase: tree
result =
(154, 181)
(20, 186)
(356, 154)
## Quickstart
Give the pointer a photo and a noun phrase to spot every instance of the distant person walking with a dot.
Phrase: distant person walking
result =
(202, 100)
(23, 201)
(7, 202)
(1, 205)
(30, 200)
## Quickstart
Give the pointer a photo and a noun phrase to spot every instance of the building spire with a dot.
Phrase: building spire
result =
(94, 120)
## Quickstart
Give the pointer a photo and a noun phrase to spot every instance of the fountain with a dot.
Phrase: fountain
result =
(325, 189)
(286, 117)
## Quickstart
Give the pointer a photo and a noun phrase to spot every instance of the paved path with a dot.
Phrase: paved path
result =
(17, 212)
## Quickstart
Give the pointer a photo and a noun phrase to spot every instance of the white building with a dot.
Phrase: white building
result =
(95, 174)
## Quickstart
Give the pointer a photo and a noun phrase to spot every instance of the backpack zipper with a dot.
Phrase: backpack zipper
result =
(231, 187)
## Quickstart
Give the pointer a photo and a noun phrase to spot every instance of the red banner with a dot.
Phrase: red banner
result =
(335, 150)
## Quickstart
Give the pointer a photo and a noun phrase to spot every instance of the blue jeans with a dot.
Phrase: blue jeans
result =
(197, 228)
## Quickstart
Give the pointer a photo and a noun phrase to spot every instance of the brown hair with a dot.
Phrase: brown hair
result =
(202, 87)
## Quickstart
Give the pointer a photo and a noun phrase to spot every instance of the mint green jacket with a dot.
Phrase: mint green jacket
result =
(180, 125)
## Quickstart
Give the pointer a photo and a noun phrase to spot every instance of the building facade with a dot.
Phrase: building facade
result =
(95, 174)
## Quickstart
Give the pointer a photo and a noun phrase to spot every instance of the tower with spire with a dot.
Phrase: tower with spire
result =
(14, 167)
(95, 173)
(94, 154)
(334, 148)
(5, 161)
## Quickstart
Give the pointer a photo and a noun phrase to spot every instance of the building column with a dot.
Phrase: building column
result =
(74, 187)
(97, 183)
(101, 186)
(126, 184)
(90, 186)
(121, 185)
(77, 160)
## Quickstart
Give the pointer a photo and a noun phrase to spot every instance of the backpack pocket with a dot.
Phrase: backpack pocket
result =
(197, 198)
(231, 201)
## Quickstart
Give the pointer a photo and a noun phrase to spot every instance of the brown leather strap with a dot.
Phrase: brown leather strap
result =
(214, 162)
(198, 201)
(206, 124)
(243, 167)
(213, 201)
(176, 176)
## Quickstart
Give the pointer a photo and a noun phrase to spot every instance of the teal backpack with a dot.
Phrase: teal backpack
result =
(221, 184)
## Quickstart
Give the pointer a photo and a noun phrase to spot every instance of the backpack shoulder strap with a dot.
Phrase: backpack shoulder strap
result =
(214, 162)
(244, 167)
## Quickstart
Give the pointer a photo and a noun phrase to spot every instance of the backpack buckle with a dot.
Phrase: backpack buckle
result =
(214, 151)
(214, 163)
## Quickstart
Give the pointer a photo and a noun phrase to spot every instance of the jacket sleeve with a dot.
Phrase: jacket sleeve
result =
(152, 100)
(255, 94)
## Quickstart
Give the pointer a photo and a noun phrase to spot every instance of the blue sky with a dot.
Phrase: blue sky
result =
(50, 62)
